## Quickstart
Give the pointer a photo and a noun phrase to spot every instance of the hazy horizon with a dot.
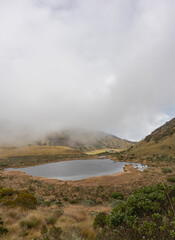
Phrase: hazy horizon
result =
(100, 65)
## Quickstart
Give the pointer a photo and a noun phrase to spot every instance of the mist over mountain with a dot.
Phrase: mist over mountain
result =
(85, 140)
(102, 65)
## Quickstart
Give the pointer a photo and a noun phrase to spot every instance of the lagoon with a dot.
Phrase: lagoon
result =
(77, 169)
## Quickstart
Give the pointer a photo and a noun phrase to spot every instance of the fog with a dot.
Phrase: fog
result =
(97, 64)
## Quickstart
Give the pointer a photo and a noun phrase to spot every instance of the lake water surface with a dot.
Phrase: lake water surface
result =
(77, 169)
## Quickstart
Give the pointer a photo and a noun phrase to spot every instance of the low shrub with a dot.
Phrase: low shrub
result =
(1, 221)
(114, 202)
(13, 198)
(148, 213)
(166, 170)
(117, 195)
(100, 220)
(171, 179)
(26, 200)
(6, 192)
(58, 202)
(72, 201)
(3, 231)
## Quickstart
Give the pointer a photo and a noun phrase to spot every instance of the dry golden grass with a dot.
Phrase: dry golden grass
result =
(88, 233)
(27, 224)
(163, 147)
(98, 151)
(36, 150)
(78, 217)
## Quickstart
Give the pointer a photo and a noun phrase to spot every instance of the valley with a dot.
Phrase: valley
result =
(69, 209)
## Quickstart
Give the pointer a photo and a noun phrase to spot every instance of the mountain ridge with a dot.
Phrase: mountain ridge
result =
(160, 142)
(85, 140)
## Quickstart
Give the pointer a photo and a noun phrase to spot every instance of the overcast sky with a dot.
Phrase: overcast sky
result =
(100, 64)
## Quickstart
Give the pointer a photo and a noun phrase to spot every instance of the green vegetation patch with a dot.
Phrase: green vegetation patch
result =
(11, 198)
(50, 234)
(148, 213)
(117, 195)
(166, 170)
(3, 230)
(171, 179)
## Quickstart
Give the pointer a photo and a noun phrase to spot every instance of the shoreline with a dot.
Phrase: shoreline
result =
(128, 169)
(23, 165)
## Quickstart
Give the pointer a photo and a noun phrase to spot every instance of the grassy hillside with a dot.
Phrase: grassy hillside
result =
(159, 142)
(35, 154)
(84, 140)
(36, 150)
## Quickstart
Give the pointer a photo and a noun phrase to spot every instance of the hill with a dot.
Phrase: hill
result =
(160, 142)
(84, 140)
(35, 150)
(12, 156)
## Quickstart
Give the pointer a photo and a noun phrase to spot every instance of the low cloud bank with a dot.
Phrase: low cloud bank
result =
(102, 65)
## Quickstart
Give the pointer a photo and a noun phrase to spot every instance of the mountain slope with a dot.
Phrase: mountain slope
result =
(161, 141)
(85, 140)
(18, 156)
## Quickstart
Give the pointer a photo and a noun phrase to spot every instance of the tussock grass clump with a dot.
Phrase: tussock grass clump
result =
(55, 233)
(13, 215)
(58, 212)
(50, 234)
(31, 221)
(88, 233)
(88, 202)
(76, 212)
(51, 219)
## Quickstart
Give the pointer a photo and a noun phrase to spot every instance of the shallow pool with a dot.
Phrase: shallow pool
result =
(77, 169)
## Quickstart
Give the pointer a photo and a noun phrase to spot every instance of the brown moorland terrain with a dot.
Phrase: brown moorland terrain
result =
(71, 205)
(159, 142)
(34, 154)
(69, 209)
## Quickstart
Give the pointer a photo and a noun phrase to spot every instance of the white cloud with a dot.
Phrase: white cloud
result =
(106, 65)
